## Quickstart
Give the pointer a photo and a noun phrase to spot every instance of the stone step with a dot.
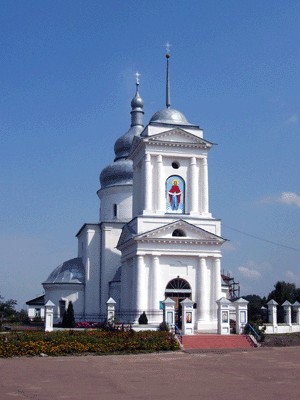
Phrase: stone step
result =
(203, 341)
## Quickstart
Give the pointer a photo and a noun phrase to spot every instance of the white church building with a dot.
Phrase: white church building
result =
(156, 237)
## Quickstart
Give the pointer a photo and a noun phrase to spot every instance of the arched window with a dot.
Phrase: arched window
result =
(178, 232)
(178, 284)
(175, 194)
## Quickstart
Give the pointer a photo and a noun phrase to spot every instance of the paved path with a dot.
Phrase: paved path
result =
(263, 374)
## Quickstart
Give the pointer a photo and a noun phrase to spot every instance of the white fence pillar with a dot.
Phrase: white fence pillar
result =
(287, 307)
(49, 307)
(272, 312)
(296, 306)
(111, 309)
(169, 312)
(187, 316)
(223, 316)
(241, 309)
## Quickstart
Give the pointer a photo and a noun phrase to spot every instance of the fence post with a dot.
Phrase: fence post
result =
(111, 309)
(223, 316)
(49, 316)
(241, 309)
(272, 312)
(188, 322)
(296, 305)
(169, 311)
(287, 312)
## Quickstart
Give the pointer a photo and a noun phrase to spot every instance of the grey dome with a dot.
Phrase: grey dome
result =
(123, 144)
(169, 116)
(120, 172)
(137, 102)
(117, 173)
(71, 271)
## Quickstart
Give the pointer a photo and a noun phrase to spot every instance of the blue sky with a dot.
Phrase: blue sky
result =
(66, 81)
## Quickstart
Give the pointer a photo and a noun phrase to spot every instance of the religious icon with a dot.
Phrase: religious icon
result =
(188, 318)
(175, 194)
(224, 316)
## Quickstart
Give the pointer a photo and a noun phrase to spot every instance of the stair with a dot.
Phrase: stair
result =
(203, 341)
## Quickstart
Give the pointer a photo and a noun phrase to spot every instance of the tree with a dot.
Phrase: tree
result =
(254, 307)
(283, 291)
(68, 320)
(7, 308)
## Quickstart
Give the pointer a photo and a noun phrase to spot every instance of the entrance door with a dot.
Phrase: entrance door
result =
(178, 289)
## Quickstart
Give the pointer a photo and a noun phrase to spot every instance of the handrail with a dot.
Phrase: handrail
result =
(258, 337)
(178, 332)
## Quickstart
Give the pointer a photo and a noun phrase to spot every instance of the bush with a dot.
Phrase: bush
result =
(163, 327)
(68, 320)
(143, 320)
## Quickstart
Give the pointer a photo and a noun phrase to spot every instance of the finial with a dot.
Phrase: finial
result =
(137, 78)
(168, 101)
(168, 45)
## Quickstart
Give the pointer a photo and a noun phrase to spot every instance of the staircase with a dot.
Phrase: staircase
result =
(203, 341)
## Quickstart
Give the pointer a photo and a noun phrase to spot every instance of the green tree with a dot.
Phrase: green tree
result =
(7, 309)
(255, 307)
(283, 291)
(68, 320)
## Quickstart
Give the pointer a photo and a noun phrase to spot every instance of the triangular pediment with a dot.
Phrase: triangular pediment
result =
(127, 234)
(181, 231)
(179, 135)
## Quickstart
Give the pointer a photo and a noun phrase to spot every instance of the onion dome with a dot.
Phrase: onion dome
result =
(120, 172)
(117, 173)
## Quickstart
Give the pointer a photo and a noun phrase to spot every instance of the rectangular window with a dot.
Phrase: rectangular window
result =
(115, 210)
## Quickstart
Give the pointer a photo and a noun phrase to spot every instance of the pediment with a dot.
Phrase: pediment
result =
(179, 135)
(127, 234)
(180, 231)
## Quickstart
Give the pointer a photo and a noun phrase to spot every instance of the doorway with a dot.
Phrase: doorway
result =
(178, 289)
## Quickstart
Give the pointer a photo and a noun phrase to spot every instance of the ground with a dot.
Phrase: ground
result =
(264, 373)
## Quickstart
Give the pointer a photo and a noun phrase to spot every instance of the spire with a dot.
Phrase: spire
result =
(168, 101)
(137, 105)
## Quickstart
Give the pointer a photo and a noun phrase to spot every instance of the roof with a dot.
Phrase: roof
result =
(70, 271)
(37, 301)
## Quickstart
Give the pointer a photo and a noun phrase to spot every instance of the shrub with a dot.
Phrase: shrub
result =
(143, 320)
(163, 327)
(68, 320)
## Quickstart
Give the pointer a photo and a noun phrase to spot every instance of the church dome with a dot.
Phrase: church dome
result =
(169, 116)
(71, 271)
(120, 172)
(123, 144)
(137, 102)
(117, 173)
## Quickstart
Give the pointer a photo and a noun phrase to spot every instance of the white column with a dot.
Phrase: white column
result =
(204, 186)
(193, 188)
(139, 282)
(161, 200)
(215, 286)
(204, 290)
(148, 183)
(155, 283)
(217, 278)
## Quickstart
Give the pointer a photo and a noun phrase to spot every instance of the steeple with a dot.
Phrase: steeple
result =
(120, 171)
(168, 100)
(137, 105)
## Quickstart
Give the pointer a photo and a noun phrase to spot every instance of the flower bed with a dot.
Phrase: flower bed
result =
(73, 342)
